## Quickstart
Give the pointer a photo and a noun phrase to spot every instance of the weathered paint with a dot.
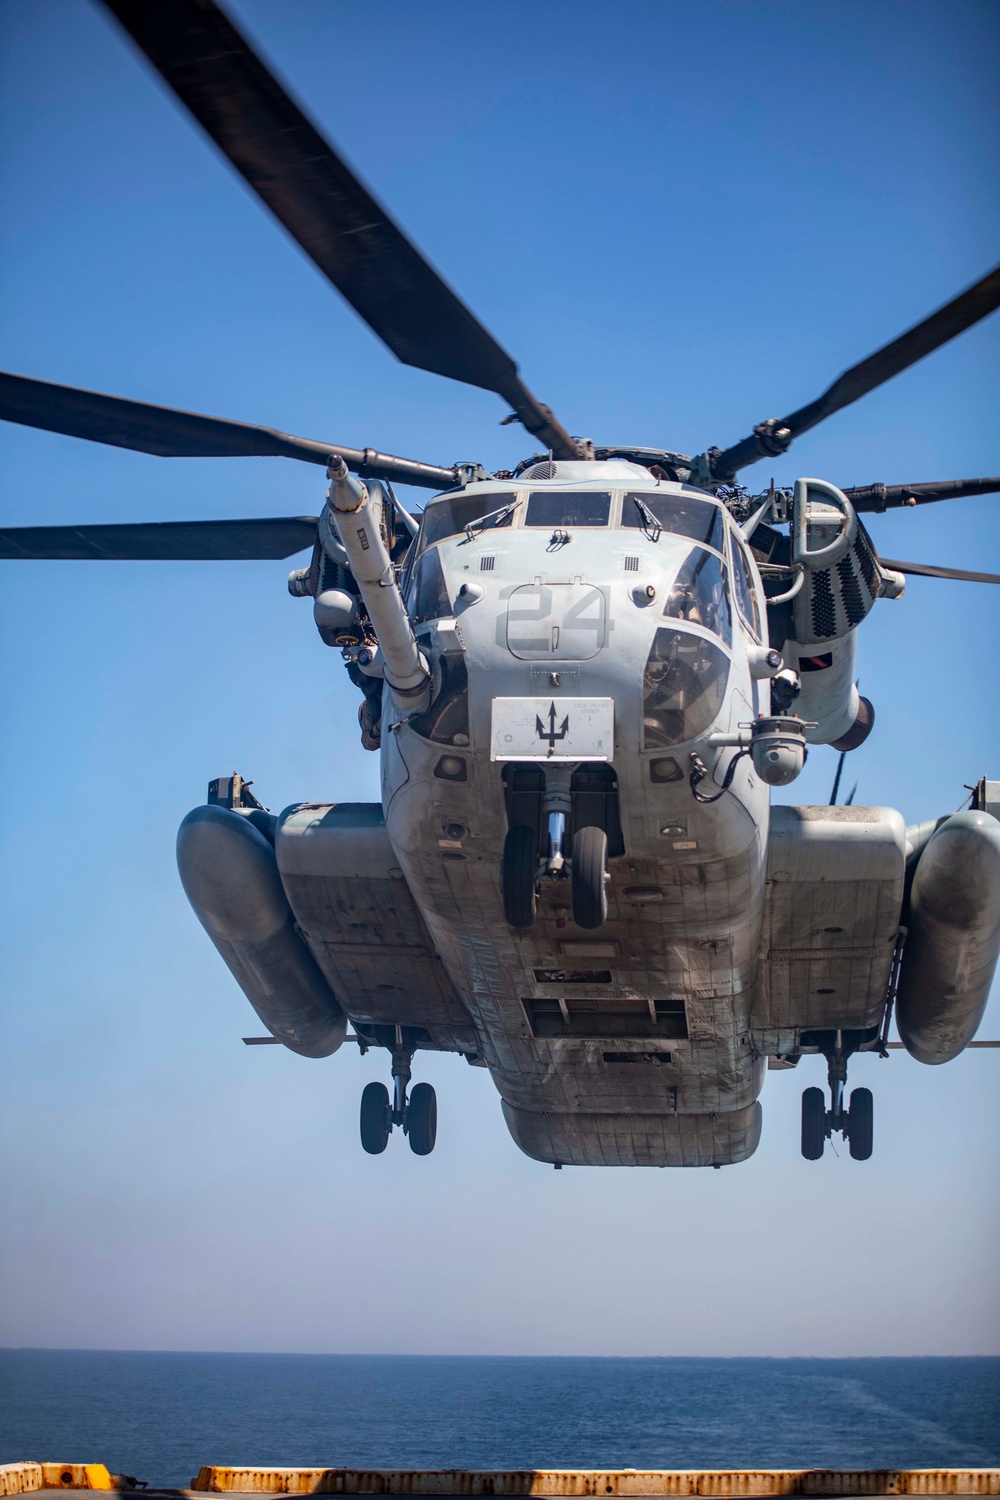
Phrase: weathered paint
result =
(695, 946)
(565, 1482)
(20, 1479)
(25, 1478)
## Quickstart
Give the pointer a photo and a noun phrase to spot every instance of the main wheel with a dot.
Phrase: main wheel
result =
(590, 877)
(860, 1123)
(422, 1119)
(376, 1118)
(813, 1124)
(517, 876)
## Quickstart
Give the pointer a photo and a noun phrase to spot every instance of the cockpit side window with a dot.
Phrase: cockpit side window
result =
(746, 594)
(450, 516)
(568, 508)
(683, 688)
(681, 515)
(427, 596)
(700, 595)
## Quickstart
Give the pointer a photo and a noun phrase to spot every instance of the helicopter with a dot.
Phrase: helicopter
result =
(583, 676)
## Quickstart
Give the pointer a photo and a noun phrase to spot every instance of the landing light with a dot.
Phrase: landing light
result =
(451, 768)
(665, 768)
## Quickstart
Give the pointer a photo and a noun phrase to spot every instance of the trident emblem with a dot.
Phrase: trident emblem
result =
(552, 735)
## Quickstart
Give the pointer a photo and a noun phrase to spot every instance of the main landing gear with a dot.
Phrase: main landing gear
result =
(854, 1123)
(416, 1114)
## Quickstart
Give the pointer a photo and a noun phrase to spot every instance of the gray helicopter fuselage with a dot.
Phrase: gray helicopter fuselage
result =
(575, 877)
(655, 1006)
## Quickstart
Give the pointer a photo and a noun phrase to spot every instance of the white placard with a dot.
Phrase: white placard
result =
(553, 729)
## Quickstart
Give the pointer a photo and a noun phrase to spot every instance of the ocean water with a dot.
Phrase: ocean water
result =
(160, 1416)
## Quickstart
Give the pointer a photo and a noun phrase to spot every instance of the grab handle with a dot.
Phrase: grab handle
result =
(821, 557)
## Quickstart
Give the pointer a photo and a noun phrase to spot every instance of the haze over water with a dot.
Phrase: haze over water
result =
(160, 1416)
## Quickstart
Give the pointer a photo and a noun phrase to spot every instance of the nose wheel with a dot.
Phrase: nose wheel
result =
(416, 1115)
(519, 876)
(855, 1122)
(589, 877)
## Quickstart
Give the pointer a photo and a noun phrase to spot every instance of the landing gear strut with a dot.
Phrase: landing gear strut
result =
(416, 1115)
(854, 1123)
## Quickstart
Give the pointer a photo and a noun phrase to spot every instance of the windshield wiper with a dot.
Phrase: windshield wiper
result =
(651, 527)
(492, 518)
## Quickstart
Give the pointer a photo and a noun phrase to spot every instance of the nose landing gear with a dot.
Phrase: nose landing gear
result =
(587, 868)
(416, 1115)
(855, 1123)
(584, 861)
(563, 826)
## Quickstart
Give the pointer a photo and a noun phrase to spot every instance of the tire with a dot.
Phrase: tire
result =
(860, 1124)
(589, 877)
(517, 876)
(813, 1124)
(421, 1119)
(376, 1118)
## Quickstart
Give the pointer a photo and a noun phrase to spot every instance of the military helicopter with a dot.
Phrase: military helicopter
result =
(583, 677)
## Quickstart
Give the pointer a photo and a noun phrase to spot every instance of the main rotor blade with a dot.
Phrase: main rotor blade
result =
(323, 205)
(880, 497)
(187, 434)
(162, 541)
(836, 779)
(773, 437)
(924, 570)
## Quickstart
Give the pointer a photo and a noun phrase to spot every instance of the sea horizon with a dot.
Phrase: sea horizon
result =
(160, 1415)
(459, 1354)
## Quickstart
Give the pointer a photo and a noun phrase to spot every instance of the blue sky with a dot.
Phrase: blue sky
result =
(681, 218)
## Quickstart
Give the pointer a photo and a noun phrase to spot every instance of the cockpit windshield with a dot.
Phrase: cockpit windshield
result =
(450, 516)
(568, 508)
(700, 594)
(681, 515)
